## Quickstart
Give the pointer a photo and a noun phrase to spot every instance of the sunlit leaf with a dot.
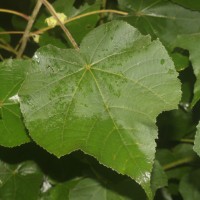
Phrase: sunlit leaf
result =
(12, 129)
(103, 99)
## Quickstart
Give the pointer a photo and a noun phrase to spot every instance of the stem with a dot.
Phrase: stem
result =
(11, 32)
(178, 163)
(1, 57)
(81, 16)
(66, 31)
(104, 4)
(28, 29)
(26, 17)
(190, 141)
(8, 48)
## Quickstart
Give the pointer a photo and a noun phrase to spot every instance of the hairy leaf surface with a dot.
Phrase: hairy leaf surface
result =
(12, 129)
(103, 99)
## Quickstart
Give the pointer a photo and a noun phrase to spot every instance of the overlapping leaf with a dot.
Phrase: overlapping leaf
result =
(197, 140)
(19, 181)
(78, 28)
(192, 4)
(103, 99)
(12, 129)
(192, 43)
(161, 19)
(190, 186)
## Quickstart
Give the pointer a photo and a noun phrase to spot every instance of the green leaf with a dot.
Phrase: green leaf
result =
(90, 189)
(19, 181)
(192, 43)
(192, 4)
(190, 186)
(173, 161)
(197, 141)
(12, 129)
(161, 19)
(181, 62)
(158, 177)
(78, 28)
(103, 99)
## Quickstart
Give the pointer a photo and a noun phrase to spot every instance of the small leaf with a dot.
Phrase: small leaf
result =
(158, 177)
(12, 129)
(161, 19)
(103, 99)
(19, 181)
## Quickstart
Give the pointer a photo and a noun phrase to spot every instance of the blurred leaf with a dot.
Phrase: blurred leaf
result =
(78, 28)
(192, 4)
(175, 125)
(197, 140)
(161, 19)
(192, 43)
(12, 129)
(179, 155)
(180, 61)
(5, 38)
(90, 189)
(47, 38)
(190, 186)
(158, 177)
(19, 181)
(103, 99)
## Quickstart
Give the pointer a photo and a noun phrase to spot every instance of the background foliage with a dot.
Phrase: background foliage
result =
(115, 118)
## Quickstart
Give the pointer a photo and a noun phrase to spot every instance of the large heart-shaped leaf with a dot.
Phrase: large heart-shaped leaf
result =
(12, 129)
(103, 99)
(161, 19)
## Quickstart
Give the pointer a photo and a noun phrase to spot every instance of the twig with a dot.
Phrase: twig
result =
(28, 28)
(178, 163)
(81, 16)
(66, 31)
(8, 48)
(15, 13)
(190, 141)
(11, 32)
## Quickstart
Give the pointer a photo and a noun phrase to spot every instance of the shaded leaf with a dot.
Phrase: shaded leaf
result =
(192, 4)
(190, 186)
(181, 62)
(192, 43)
(90, 189)
(197, 140)
(158, 177)
(12, 129)
(161, 19)
(19, 181)
(78, 28)
(103, 99)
